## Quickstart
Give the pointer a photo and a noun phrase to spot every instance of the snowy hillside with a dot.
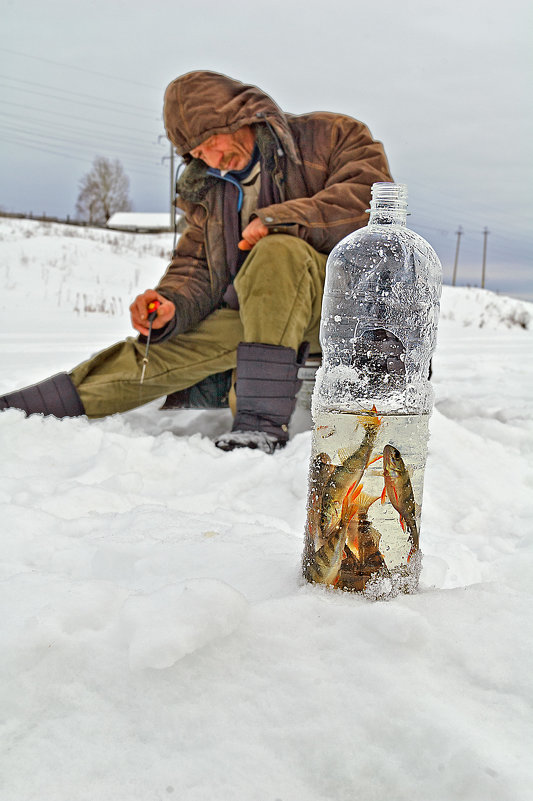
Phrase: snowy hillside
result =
(157, 641)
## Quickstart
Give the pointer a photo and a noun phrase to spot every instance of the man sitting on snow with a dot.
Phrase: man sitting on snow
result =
(266, 195)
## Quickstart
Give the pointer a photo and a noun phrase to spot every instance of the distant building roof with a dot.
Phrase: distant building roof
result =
(146, 222)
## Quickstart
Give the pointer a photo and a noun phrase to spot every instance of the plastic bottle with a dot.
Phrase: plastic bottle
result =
(371, 405)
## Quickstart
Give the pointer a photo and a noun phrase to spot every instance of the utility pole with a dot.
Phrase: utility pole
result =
(172, 187)
(486, 232)
(459, 233)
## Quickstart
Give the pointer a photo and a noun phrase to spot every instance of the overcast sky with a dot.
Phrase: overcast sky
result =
(446, 86)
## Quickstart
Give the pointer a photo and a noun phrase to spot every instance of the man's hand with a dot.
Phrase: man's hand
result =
(139, 311)
(251, 235)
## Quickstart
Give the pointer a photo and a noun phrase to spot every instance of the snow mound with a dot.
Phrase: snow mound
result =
(164, 626)
(481, 308)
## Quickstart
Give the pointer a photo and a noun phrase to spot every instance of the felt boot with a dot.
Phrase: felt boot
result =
(56, 396)
(267, 384)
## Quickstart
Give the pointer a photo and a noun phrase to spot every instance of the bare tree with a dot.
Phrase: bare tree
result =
(103, 191)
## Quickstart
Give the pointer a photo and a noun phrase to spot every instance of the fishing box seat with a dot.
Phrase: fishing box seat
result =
(216, 391)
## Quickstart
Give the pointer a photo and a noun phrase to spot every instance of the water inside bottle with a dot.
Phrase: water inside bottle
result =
(364, 504)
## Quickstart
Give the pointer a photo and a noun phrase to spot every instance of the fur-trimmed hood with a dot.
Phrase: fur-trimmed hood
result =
(195, 181)
(200, 104)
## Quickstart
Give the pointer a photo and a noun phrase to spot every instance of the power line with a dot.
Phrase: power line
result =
(472, 216)
(71, 116)
(441, 231)
(72, 141)
(79, 102)
(505, 248)
(69, 92)
(79, 69)
(99, 132)
(86, 159)
(473, 230)
(434, 192)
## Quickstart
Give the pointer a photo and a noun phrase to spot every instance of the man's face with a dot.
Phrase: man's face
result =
(227, 151)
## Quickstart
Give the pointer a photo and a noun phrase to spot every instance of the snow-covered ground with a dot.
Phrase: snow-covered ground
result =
(157, 641)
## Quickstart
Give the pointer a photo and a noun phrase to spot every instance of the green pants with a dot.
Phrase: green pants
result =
(279, 287)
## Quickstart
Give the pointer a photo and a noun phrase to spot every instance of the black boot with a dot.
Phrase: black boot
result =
(267, 384)
(56, 395)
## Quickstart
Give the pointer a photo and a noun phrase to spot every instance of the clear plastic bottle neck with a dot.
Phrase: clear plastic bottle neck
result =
(388, 205)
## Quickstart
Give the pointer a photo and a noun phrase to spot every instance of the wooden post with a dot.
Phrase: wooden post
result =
(459, 235)
(172, 185)
(486, 232)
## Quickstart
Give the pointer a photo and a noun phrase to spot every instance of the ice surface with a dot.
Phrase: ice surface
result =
(295, 692)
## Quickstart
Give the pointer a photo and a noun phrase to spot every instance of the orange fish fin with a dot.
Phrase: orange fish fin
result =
(349, 499)
(344, 453)
(402, 524)
(351, 487)
(352, 540)
(350, 506)
(378, 420)
(352, 514)
(355, 492)
(345, 505)
(375, 459)
(365, 501)
(384, 495)
(369, 417)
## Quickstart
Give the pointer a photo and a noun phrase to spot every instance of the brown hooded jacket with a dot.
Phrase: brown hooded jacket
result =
(322, 165)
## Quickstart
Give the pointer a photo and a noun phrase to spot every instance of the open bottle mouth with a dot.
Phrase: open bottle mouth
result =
(387, 196)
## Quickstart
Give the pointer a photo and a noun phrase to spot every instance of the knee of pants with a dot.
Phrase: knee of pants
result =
(280, 248)
(277, 255)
